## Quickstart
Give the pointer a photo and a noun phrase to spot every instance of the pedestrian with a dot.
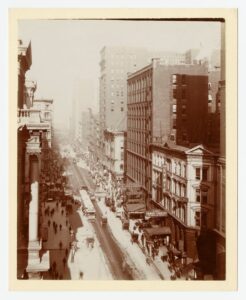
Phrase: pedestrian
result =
(81, 274)
(62, 212)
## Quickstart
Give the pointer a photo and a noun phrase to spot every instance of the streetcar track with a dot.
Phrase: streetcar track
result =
(113, 253)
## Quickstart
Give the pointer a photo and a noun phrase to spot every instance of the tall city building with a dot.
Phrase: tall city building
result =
(149, 114)
(115, 64)
(189, 109)
(83, 97)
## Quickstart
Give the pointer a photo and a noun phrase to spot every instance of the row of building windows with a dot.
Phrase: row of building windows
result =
(178, 168)
(137, 168)
(140, 124)
(175, 187)
(201, 173)
(172, 166)
(140, 83)
(137, 148)
(175, 209)
(172, 185)
(179, 211)
(139, 97)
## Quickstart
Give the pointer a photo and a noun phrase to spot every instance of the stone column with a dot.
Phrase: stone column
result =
(34, 244)
(33, 208)
(36, 265)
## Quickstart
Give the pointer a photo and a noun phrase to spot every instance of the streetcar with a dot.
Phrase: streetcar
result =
(87, 206)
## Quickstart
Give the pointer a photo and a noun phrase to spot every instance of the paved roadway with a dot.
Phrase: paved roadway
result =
(108, 244)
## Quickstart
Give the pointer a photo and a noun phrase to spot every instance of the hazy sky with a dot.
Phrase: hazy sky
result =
(65, 50)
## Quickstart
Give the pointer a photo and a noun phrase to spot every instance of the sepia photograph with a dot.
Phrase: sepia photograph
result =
(121, 156)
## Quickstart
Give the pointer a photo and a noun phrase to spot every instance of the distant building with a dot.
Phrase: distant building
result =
(191, 56)
(83, 95)
(84, 129)
(215, 59)
(94, 137)
(149, 114)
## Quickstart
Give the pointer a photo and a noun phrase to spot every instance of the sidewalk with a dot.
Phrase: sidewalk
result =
(58, 252)
(89, 261)
(142, 270)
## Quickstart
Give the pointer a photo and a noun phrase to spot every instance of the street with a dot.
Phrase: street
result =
(113, 253)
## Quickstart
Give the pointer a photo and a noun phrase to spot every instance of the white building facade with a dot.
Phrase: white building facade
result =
(183, 184)
(114, 150)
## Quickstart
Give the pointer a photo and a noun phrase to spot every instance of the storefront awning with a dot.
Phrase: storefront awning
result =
(136, 208)
(157, 231)
(155, 213)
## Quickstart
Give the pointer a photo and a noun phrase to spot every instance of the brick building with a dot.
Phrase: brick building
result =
(149, 115)
(189, 119)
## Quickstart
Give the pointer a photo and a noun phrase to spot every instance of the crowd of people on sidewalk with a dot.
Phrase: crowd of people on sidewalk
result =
(56, 216)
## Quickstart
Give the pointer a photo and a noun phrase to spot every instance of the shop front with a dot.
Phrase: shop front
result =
(160, 234)
(156, 217)
(135, 210)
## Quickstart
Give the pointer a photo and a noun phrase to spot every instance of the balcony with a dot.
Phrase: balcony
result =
(32, 118)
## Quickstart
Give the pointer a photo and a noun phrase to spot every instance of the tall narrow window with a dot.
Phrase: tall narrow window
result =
(198, 195)
(174, 79)
(197, 218)
(198, 175)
